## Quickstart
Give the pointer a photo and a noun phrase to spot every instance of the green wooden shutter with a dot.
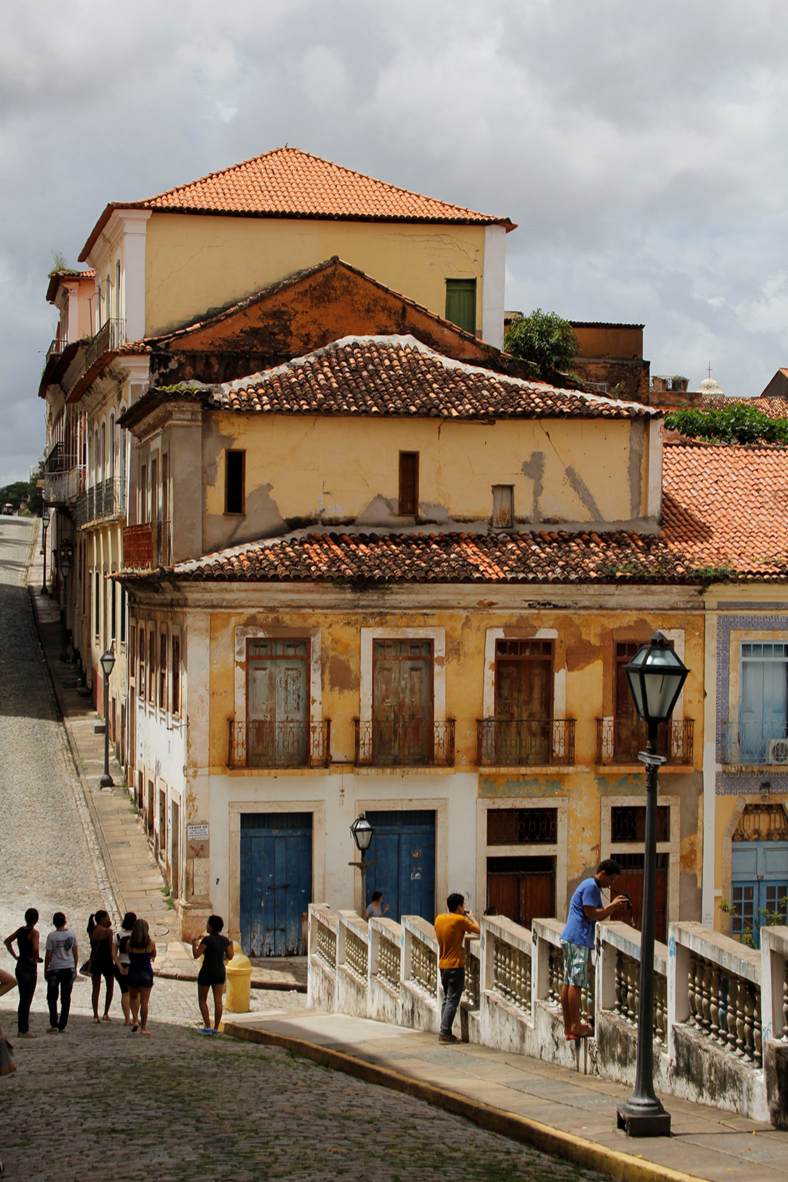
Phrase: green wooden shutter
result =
(461, 303)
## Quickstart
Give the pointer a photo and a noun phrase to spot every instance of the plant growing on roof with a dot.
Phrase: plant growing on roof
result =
(544, 339)
(737, 423)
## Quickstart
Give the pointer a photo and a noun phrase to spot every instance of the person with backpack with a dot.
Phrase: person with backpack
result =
(27, 958)
(100, 932)
(120, 962)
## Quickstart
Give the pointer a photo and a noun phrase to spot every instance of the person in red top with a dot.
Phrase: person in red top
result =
(450, 932)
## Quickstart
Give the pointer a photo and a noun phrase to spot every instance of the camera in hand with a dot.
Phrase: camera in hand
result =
(626, 899)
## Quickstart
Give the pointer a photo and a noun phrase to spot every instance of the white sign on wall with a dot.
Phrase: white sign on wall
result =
(197, 832)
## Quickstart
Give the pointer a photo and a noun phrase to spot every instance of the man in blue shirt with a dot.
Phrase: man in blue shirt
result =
(577, 940)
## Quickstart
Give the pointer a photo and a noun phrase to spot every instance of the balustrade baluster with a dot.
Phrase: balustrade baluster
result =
(785, 1001)
(691, 998)
(619, 1004)
(714, 1002)
(730, 1016)
(740, 1043)
(749, 1009)
(757, 1033)
(705, 986)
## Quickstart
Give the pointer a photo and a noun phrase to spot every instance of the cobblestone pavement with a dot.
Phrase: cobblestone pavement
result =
(101, 1102)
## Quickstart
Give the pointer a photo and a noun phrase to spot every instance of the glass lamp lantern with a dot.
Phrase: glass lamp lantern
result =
(656, 678)
(362, 832)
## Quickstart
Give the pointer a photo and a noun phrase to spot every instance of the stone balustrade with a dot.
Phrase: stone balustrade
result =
(720, 1017)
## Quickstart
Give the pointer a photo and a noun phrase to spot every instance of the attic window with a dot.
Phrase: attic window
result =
(503, 506)
(408, 483)
(234, 482)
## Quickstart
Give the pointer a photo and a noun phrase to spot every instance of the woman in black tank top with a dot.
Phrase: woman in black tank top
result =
(26, 957)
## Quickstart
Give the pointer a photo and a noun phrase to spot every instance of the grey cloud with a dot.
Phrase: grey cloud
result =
(639, 147)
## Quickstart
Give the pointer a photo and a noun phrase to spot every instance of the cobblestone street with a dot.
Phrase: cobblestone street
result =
(100, 1102)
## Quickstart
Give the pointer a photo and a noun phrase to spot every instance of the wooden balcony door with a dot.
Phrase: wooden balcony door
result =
(523, 701)
(278, 703)
(402, 676)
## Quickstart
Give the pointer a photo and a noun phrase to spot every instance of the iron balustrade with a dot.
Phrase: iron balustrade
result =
(525, 742)
(56, 347)
(619, 740)
(404, 740)
(100, 502)
(109, 337)
(751, 743)
(59, 460)
(260, 743)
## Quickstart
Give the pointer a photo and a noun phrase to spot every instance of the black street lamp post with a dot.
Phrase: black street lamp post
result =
(65, 570)
(362, 832)
(107, 662)
(45, 516)
(656, 677)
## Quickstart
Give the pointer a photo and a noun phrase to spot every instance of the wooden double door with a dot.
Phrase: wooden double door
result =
(402, 693)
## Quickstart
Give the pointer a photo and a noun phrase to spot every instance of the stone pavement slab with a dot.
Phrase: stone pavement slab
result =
(705, 1143)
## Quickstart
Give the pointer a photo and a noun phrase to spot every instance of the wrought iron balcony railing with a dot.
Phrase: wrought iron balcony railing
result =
(109, 337)
(259, 743)
(407, 740)
(65, 487)
(147, 546)
(59, 460)
(763, 742)
(620, 739)
(56, 348)
(100, 501)
(525, 742)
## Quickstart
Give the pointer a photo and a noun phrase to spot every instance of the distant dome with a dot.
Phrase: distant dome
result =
(709, 389)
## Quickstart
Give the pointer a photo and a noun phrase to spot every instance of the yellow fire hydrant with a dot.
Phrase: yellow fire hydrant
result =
(239, 982)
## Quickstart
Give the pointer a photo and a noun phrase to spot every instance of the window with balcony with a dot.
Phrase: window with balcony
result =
(623, 735)
(401, 730)
(523, 731)
(163, 671)
(141, 666)
(152, 667)
(278, 730)
(176, 675)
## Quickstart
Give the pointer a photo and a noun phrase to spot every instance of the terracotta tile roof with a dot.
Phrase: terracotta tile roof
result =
(728, 506)
(294, 184)
(775, 408)
(544, 557)
(400, 376)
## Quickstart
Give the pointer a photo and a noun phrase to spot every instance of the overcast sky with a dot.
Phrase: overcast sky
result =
(639, 146)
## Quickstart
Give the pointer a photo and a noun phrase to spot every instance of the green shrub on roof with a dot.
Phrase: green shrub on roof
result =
(544, 339)
(737, 423)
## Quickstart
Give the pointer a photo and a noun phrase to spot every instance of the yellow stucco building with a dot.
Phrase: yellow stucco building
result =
(406, 586)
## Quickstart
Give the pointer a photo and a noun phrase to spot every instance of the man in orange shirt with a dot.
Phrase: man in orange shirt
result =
(450, 932)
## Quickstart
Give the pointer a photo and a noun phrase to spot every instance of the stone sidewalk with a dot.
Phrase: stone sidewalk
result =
(135, 880)
(560, 1111)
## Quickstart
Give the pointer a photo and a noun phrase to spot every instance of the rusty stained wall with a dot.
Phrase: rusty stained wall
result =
(306, 470)
(628, 380)
(584, 660)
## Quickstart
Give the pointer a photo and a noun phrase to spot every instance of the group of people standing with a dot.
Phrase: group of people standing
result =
(123, 957)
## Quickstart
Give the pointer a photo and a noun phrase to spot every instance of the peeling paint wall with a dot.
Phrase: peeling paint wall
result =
(196, 262)
(303, 470)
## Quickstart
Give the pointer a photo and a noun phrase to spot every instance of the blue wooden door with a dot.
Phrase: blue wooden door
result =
(404, 849)
(276, 881)
(759, 883)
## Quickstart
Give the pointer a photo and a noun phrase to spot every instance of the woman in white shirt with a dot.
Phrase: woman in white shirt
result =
(120, 960)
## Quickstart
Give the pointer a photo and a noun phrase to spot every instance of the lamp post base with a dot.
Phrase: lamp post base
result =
(645, 1119)
(106, 781)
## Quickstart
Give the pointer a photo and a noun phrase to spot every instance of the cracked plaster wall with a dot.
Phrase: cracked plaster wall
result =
(195, 262)
(305, 470)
